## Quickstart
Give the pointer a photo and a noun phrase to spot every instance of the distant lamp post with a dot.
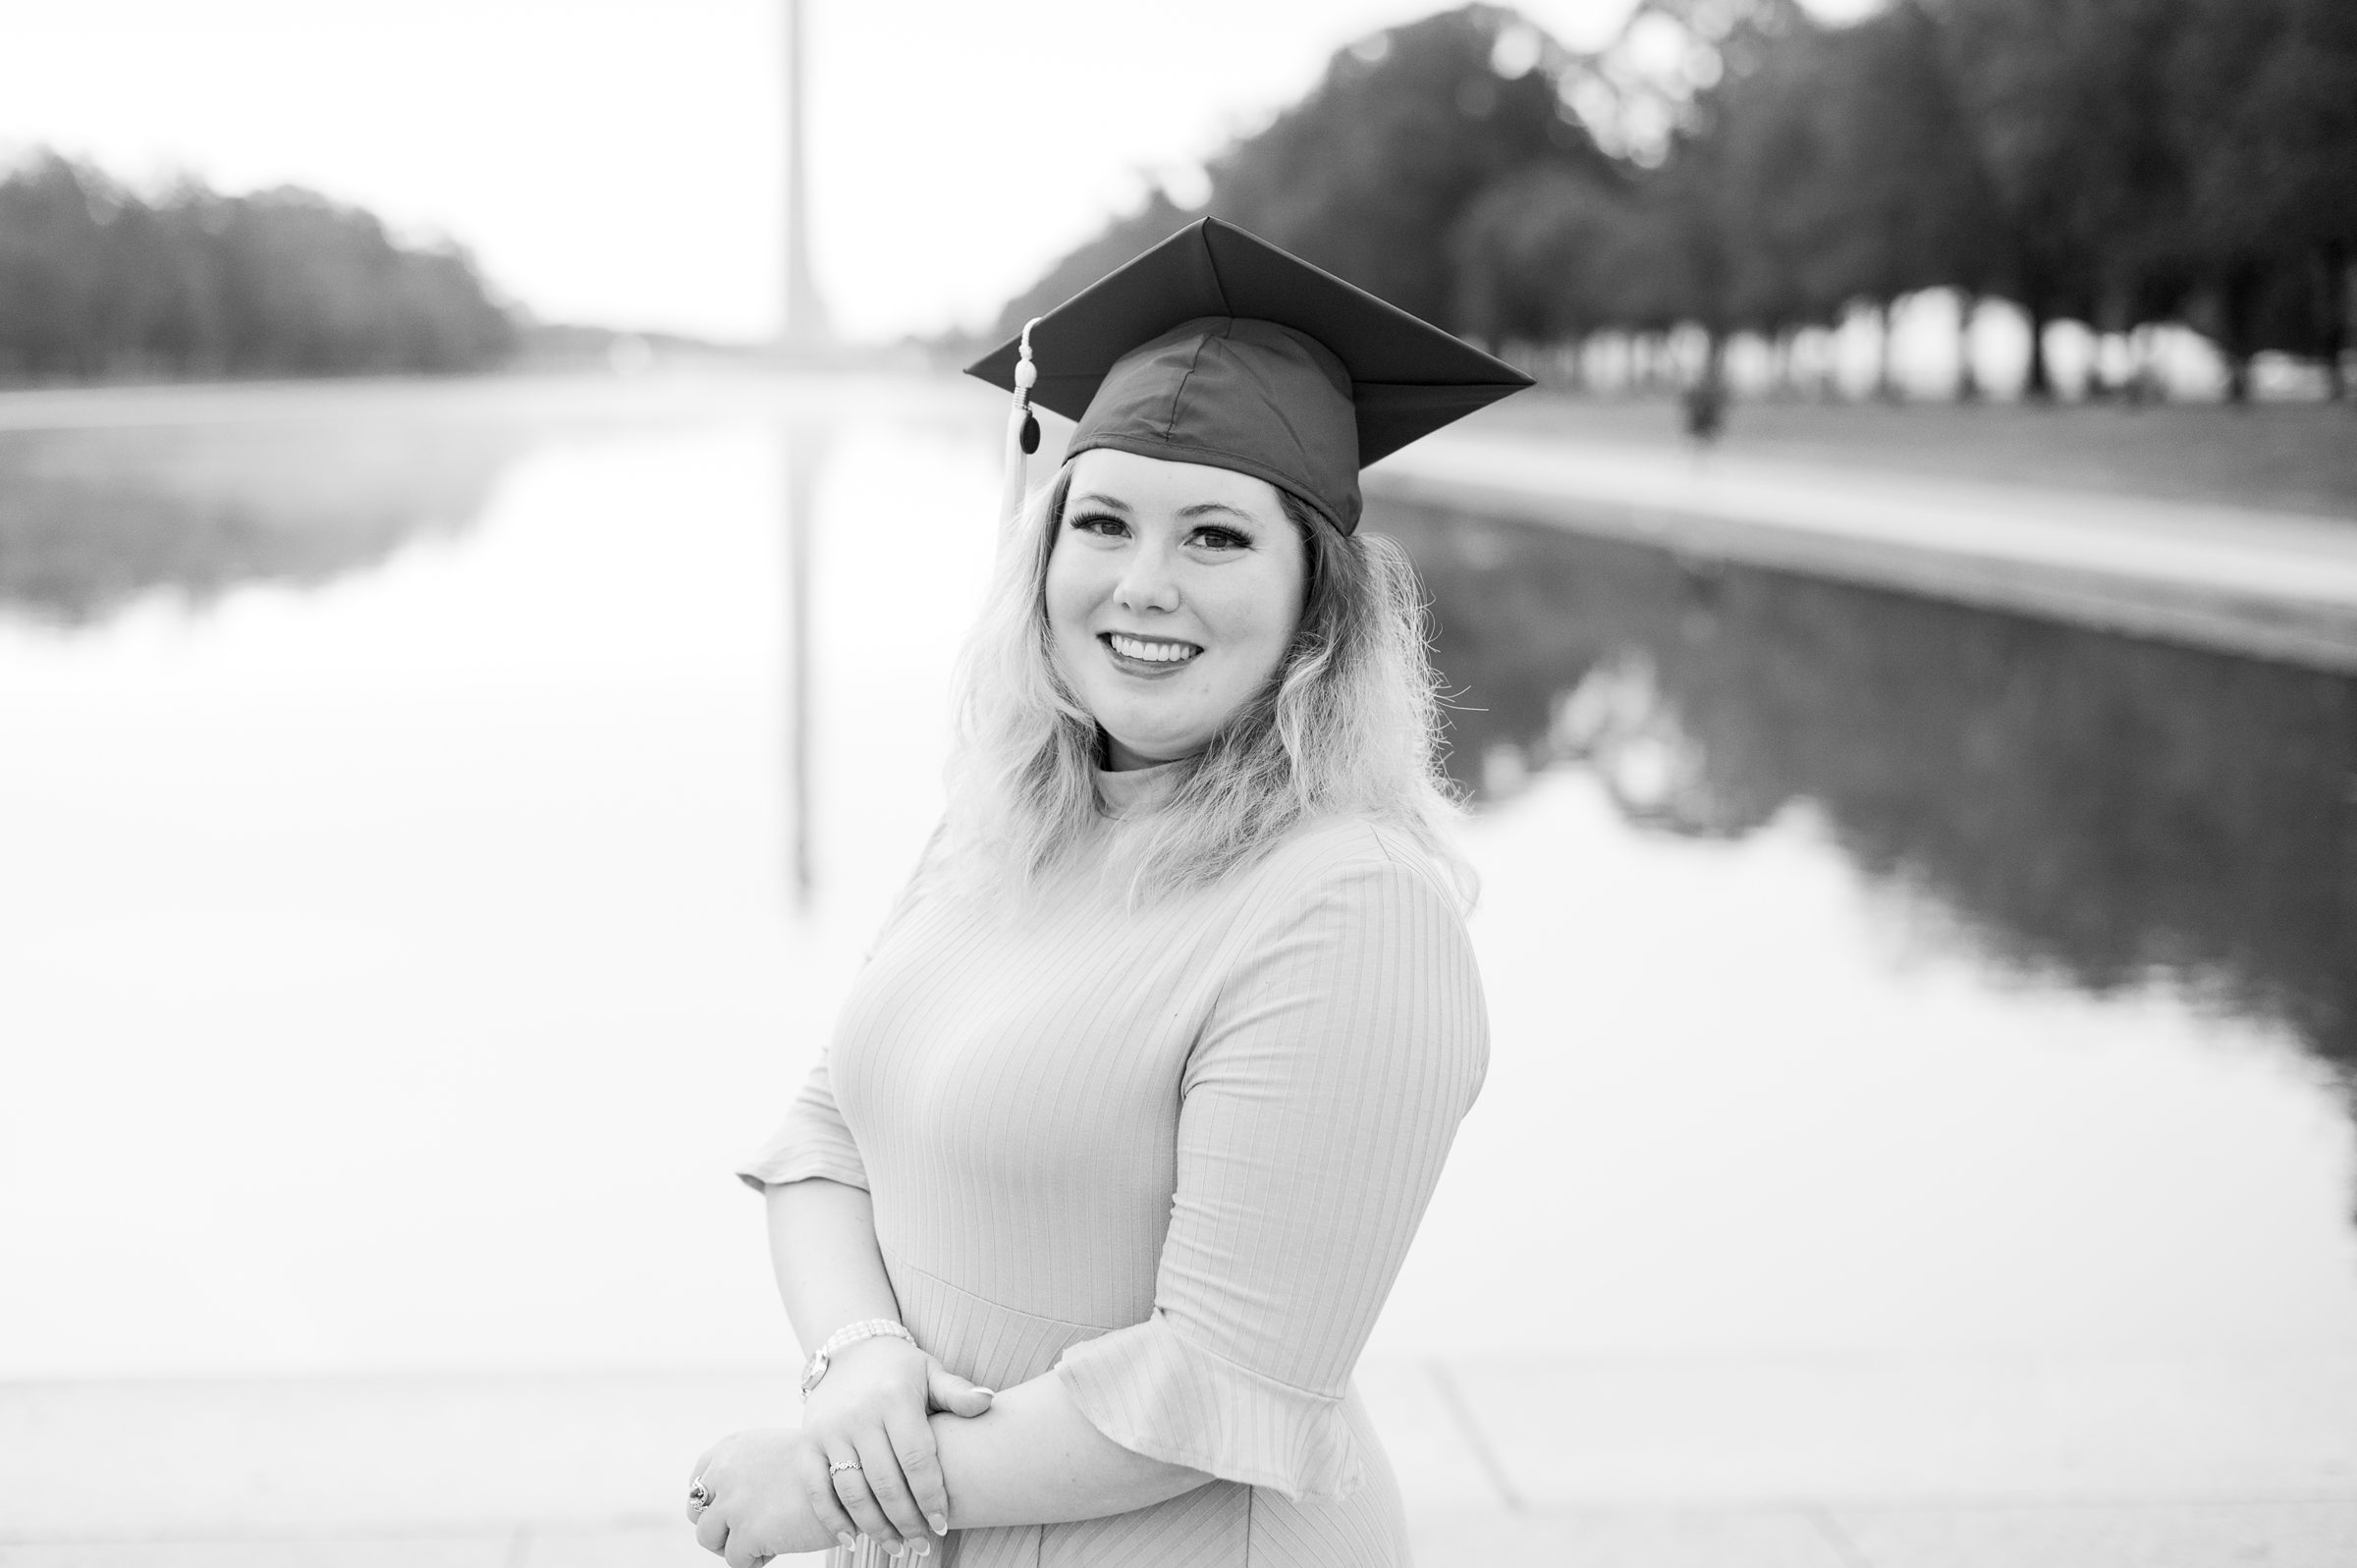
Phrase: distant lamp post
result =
(806, 330)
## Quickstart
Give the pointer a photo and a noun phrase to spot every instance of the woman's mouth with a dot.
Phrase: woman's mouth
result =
(1155, 652)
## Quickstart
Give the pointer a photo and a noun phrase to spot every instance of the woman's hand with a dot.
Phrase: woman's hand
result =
(758, 1486)
(870, 1408)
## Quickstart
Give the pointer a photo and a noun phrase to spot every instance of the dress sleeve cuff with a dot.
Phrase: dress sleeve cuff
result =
(799, 1151)
(1155, 1395)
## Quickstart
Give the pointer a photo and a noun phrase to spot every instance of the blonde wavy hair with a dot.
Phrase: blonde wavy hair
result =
(1347, 724)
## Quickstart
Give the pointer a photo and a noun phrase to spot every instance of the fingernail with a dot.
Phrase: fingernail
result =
(849, 1544)
(939, 1521)
(988, 1393)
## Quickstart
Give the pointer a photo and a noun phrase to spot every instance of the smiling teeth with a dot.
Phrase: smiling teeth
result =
(1155, 652)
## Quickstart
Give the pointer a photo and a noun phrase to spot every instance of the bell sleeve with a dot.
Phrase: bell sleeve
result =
(812, 1141)
(1315, 1113)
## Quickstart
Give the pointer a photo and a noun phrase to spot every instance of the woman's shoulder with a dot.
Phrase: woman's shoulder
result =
(1351, 907)
(1351, 854)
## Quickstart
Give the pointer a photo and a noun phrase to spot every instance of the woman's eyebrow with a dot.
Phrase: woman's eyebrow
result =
(1201, 508)
(1092, 499)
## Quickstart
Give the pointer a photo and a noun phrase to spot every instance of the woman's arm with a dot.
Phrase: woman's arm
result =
(1034, 1459)
(869, 1409)
(1024, 1456)
(822, 1246)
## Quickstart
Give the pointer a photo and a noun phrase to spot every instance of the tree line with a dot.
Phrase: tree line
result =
(1736, 166)
(98, 281)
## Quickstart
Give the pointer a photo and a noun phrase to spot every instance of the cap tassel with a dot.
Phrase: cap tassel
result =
(1022, 432)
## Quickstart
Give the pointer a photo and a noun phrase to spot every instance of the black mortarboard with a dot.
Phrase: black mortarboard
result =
(1215, 347)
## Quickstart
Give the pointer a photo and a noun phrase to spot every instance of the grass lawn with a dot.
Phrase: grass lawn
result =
(2289, 457)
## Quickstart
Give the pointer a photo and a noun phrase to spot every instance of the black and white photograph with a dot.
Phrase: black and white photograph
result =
(1282, 784)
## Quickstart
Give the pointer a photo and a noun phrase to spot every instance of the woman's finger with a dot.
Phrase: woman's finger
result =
(880, 1455)
(819, 1486)
(946, 1390)
(921, 1467)
(851, 1486)
(712, 1531)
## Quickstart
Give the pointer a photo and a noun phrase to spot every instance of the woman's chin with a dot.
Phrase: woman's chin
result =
(1148, 752)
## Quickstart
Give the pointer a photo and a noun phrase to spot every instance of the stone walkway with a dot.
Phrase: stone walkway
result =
(1668, 1463)
(2273, 584)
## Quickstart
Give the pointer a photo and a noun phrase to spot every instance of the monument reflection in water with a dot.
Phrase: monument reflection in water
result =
(516, 775)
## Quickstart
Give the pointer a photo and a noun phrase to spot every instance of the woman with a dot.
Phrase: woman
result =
(1135, 1106)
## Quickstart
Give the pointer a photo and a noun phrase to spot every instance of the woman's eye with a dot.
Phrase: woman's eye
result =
(1222, 539)
(1098, 523)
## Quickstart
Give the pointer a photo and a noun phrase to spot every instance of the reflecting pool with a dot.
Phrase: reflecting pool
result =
(436, 825)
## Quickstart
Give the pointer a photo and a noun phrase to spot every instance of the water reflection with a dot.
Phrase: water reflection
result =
(803, 451)
(481, 858)
(2111, 810)
(94, 519)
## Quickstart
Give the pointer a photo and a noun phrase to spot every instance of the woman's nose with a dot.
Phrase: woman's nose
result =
(1147, 582)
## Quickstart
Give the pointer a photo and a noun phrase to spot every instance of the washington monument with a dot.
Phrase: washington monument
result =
(806, 328)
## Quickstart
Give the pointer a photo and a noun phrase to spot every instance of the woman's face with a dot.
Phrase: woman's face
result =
(1172, 594)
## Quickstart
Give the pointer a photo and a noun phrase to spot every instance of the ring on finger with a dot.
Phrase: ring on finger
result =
(842, 1465)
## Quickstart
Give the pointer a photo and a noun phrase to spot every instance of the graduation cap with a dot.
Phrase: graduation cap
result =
(1217, 347)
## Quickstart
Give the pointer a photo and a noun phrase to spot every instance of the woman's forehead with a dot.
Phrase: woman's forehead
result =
(1157, 484)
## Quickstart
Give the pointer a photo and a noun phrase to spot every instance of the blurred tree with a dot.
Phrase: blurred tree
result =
(1712, 248)
(1370, 175)
(1159, 219)
(311, 288)
(94, 281)
(2263, 102)
(1778, 197)
(1671, 61)
(2061, 97)
(1539, 256)
(1732, 164)
(1896, 198)
(53, 252)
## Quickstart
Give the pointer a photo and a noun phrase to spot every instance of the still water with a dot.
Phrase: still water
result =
(437, 824)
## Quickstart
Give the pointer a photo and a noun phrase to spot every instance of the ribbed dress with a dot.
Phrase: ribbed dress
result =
(1172, 1153)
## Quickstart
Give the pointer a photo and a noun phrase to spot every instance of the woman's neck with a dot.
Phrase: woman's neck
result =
(1134, 791)
(1115, 757)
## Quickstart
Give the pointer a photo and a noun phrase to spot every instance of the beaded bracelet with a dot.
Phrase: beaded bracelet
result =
(844, 1338)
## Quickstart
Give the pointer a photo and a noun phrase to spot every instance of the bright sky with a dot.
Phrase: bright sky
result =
(622, 161)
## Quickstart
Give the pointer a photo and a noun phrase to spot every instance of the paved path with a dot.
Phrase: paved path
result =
(2273, 584)
(1647, 1463)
